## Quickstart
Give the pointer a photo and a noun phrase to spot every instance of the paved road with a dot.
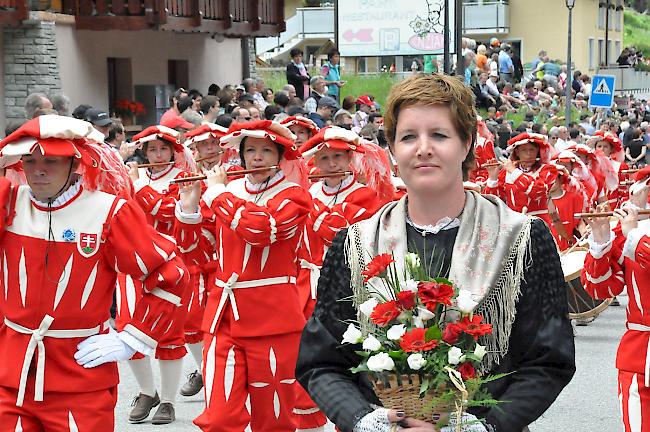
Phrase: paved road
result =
(589, 403)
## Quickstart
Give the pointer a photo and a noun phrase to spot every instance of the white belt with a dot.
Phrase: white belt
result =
(36, 343)
(537, 212)
(643, 328)
(313, 275)
(232, 284)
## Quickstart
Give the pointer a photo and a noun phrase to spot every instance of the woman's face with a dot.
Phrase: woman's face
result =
(428, 149)
(260, 153)
(268, 96)
(605, 147)
(335, 59)
(297, 59)
(208, 149)
(301, 133)
(158, 152)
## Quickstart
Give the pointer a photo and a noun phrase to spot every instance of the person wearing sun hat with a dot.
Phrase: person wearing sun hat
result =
(63, 240)
(618, 260)
(253, 317)
(302, 127)
(364, 106)
(612, 147)
(523, 181)
(157, 197)
(604, 178)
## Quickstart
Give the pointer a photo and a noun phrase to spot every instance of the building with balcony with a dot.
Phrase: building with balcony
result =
(99, 51)
(529, 26)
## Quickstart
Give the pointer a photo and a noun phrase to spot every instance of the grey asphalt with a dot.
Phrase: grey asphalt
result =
(589, 403)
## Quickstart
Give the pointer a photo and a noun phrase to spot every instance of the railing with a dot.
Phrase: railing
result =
(627, 80)
(307, 22)
(486, 17)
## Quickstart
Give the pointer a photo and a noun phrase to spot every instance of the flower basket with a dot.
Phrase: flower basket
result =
(404, 393)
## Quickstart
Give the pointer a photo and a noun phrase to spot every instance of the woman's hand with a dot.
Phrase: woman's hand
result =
(133, 170)
(508, 165)
(217, 175)
(600, 225)
(629, 218)
(190, 194)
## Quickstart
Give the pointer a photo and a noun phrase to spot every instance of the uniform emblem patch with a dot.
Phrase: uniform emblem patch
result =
(88, 244)
(69, 235)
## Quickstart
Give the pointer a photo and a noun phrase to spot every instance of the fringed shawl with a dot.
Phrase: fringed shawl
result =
(489, 257)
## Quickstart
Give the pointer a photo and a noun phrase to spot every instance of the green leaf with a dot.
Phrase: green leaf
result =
(433, 333)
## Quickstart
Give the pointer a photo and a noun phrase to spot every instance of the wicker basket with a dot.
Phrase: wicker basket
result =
(405, 394)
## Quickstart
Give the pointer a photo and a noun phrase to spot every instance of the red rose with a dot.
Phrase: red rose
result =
(467, 371)
(451, 333)
(415, 340)
(384, 313)
(406, 300)
(377, 266)
(433, 293)
(474, 327)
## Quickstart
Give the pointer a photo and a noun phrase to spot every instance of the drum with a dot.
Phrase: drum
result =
(581, 304)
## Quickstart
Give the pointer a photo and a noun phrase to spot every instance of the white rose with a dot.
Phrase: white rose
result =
(371, 343)
(465, 302)
(352, 335)
(412, 259)
(410, 285)
(454, 356)
(416, 361)
(396, 332)
(380, 362)
(480, 351)
(367, 306)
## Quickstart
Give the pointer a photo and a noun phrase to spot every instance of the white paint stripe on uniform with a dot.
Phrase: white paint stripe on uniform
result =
(209, 370)
(19, 425)
(90, 284)
(22, 276)
(265, 257)
(62, 285)
(130, 295)
(637, 295)
(229, 372)
(634, 405)
(72, 424)
(4, 274)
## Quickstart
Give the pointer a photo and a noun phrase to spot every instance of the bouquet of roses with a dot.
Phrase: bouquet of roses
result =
(129, 108)
(420, 344)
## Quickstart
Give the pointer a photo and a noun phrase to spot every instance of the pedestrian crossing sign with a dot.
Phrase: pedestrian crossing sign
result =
(602, 91)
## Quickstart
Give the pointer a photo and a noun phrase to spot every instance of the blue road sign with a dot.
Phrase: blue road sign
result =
(602, 91)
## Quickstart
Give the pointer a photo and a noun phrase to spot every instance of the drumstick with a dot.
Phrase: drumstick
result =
(325, 175)
(575, 245)
(157, 164)
(606, 214)
(228, 173)
(494, 164)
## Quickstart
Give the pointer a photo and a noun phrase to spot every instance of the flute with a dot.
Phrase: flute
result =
(228, 173)
(495, 164)
(157, 164)
(607, 214)
(326, 175)
(631, 171)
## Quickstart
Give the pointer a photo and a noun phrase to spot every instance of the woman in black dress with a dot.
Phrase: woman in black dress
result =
(507, 260)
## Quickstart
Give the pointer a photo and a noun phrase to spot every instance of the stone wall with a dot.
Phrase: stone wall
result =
(252, 65)
(30, 64)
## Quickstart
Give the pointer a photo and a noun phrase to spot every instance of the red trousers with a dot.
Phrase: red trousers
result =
(635, 401)
(194, 302)
(172, 345)
(235, 368)
(59, 412)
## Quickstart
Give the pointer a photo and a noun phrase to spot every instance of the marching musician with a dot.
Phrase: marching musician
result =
(253, 317)
(619, 259)
(63, 242)
(523, 181)
(612, 147)
(157, 196)
(566, 199)
(302, 127)
(484, 153)
(602, 179)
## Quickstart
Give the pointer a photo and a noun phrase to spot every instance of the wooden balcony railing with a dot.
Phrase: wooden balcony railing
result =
(13, 12)
(228, 17)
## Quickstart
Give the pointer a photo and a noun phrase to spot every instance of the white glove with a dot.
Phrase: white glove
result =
(99, 349)
(473, 426)
(376, 421)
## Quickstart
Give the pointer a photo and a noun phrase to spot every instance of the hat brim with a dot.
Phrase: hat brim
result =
(102, 123)
(234, 139)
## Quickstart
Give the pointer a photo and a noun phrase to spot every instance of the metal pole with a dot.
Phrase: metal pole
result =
(606, 33)
(445, 53)
(569, 78)
(458, 31)
(336, 24)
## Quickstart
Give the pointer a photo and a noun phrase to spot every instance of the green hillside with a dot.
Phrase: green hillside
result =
(637, 31)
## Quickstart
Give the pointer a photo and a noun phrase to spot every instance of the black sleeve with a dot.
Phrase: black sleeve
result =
(323, 366)
(293, 75)
(541, 355)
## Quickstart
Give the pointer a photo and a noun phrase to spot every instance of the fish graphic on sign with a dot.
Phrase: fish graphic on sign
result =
(362, 35)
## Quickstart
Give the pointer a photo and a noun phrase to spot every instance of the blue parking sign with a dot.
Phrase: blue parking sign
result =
(602, 91)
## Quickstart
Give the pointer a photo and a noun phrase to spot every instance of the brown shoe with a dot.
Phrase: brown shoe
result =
(164, 415)
(193, 385)
(142, 405)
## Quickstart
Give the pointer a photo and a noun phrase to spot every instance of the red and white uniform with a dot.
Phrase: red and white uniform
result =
(59, 286)
(483, 153)
(567, 205)
(621, 264)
